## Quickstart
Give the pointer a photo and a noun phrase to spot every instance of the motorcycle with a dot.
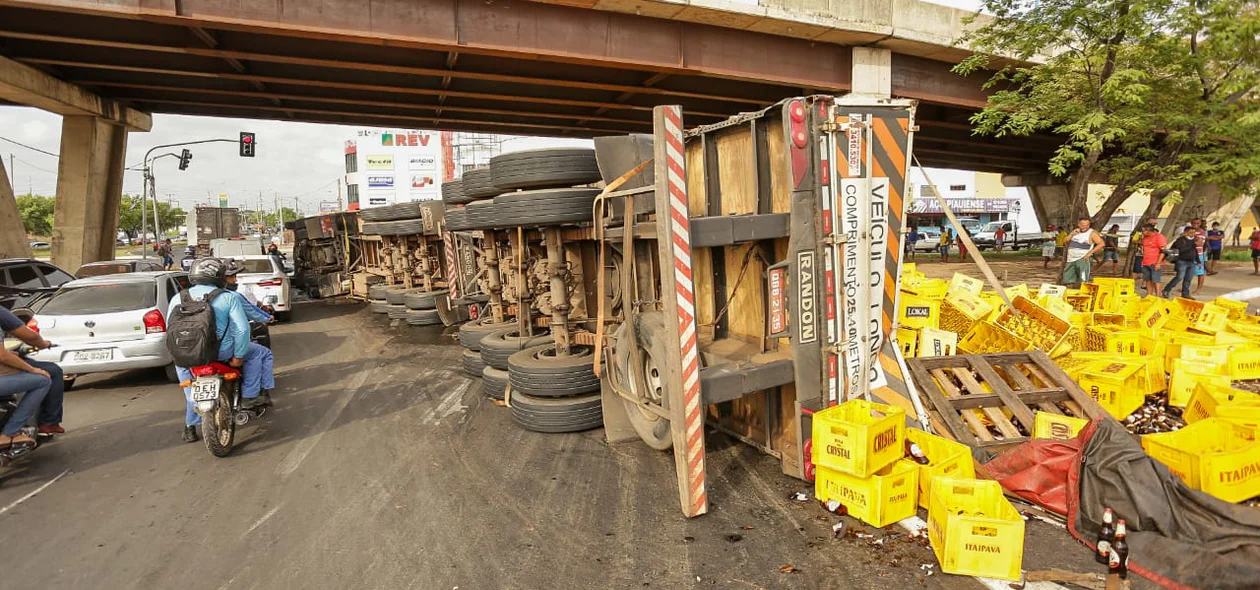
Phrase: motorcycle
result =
(8, 405)
(216, 395)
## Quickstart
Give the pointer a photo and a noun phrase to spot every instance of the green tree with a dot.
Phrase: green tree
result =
(273, 219)
(37, 214)
(1154, 94)
(129, 219)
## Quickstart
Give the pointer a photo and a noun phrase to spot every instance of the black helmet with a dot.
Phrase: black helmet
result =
(190, 250)
(232, 268)
(208, 271)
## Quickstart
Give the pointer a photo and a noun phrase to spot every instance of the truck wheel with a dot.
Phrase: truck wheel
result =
(477, 184)
(482, 215)
(497, 346)
(456, 219)
(422, 317)
(408, 227)
(549, 414)
(420, 299)
(471, 333)
(453, 193)
(397, 212)
(538, 371)
(472, 363)
(374, 228)
(396, 312)
(377, 291)
(646, 380)
(394, 295)
(552, 206)
(494, 382)
(544, 168)
(379, 306)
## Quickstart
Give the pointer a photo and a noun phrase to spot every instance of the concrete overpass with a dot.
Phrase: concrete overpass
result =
(577, 68)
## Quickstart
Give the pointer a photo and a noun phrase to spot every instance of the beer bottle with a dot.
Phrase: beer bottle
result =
(1119, 561)
(916, 453)
(1106, 535)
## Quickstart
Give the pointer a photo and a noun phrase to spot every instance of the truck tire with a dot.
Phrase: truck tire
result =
(378, 306)
(394, 295)
(408, 227)
(419, 299)
(544, 168)
(374, 228)
(456, 219)
(554, 415)
(471, 333)
(377, 291)
(422, 317)
(481, 215)
(545, 206)
(537, 371)
(396, 311)
(472, 363)
(477, 184)
(494, 382)
(398, 211)
(453, 193)
(645, 381)
(498, 345)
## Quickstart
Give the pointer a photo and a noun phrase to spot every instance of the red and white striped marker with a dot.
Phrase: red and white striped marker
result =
(680, 236)
(452, 280)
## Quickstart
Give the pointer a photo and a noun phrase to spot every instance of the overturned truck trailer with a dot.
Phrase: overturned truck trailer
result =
(757, 260)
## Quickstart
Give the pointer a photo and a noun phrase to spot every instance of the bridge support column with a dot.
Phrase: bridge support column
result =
(13, 242)
(89, 190)
(1049, 198)
(872, 72)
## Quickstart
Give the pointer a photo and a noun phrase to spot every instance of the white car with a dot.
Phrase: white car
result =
(109, 323)
(267, 281)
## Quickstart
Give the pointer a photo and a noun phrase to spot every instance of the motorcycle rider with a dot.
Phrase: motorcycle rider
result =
(41, 384)
(252, 311)
(235, 348)
(190, 254)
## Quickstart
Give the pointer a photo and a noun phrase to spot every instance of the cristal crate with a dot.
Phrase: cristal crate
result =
(1057, 426)
(1157, 314)
(879, 500)
(1119, 386)
(1214, 455)
(946, 458)
(936, 343)
(859, 437)
(974, 530)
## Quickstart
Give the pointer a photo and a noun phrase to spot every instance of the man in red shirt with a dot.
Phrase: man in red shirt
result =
(1153, 244)
(1255, 250)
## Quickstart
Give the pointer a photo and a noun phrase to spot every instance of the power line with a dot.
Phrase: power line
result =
(35, 149)
(44, 170)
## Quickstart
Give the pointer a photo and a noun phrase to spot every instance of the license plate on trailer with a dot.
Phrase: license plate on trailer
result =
(206, 389)
(91, 356)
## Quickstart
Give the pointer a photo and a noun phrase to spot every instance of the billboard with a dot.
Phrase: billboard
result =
(379, 162)
(395, 166)
(380, 181)
(427, 162)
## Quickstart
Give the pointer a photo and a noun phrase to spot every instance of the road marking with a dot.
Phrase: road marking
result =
(32, 494)
(450, 404)
(915, 525)
(259, 522)
(304, 448)
(1243, 295)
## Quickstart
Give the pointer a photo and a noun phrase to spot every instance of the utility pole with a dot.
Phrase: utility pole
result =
(339, 206)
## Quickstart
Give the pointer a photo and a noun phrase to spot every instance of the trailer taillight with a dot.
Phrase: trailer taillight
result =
(798, 132)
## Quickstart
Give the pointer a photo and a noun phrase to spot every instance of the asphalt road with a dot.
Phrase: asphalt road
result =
(382, 466)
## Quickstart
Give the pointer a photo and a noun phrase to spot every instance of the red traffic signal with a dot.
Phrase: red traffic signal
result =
(247, 144)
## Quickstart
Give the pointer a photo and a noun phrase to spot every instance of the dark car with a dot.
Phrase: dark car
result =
(23, 281)
(113, 267)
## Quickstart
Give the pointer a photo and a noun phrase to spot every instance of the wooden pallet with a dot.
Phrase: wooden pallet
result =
(1018, 383)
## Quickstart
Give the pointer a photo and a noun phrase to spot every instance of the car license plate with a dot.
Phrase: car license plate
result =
(92, 356)
(206, 389)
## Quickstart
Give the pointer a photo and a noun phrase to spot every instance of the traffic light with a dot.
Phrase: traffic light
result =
(247, 144)
(184, 159)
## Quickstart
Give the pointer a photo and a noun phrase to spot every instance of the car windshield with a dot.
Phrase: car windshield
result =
(96, 270)
(103, 298)
(993, 226)
(257, 265)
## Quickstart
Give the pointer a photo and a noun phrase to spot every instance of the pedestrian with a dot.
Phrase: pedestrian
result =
(164, 252)
(1048, 248)
(1135, 248)
(1081, 246)
(1152, 257)
(1215, 242)
(944, 245)
(1187, 257)
(1237, 234)
(1111, 249)
(911, 239)
(1200, 246)
(962, 246)
(999, 238)
(1255, 250)
(1060, 240)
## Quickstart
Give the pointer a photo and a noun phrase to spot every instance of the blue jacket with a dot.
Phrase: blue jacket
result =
(253, 312)
(230, 321)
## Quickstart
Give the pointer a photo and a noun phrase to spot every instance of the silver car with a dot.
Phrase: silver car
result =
(110, 323)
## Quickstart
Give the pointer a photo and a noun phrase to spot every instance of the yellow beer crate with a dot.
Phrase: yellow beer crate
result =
(1243, 363)
(1111, 338)
(879, 500)
(1029, 321)
(908, 341)
(1236, 309)
(1103, 295)
(910, 269)
(1174, 340)
(946, 458)
(1048, 290)
(1056, 306)
(974, 530)
(1080, 302)
(996, 305)
(1246, 329)
(1213, 455)
(930, 288)
(988, 338)
(961, 310)
(859, 437)
(1186, 375)
(1235, 405)
(934, 342)
(1017, 290)
(916, 311)
(962, 282)
(1213, 355)
(1057, 426)
(1108, 319)
(1120, 387)
(1211, 319)
(1153, 350)
(1233, 340)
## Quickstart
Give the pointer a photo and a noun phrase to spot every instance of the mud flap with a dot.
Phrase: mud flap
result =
(450, 314)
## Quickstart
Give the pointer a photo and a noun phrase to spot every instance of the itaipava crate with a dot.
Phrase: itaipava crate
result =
(1244, 363)
(1057, 426)
(1235, 309)
(974, 530)
(946, 458)
(879, 500)
(1213, 455)
(1120, 387)
(859, 437)
(1186, 376)
(1212, 401)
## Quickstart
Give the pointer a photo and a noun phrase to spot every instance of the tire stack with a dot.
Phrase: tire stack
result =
(474, 188)
(532, 188)
(496, 347)
(421, 307)
(553, 393)
(394, 303)
(470, 335)
(402, 219)
(376, 299)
